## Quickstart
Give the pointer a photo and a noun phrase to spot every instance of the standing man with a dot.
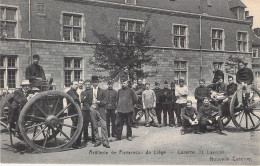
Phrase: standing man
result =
(140, 87)
(111, 96)
(210, 115)
(173, 101)
(35, 73)
(86, 99)
(217, 72)
(81, 87)
(181, 93)
(201, 92)
(158, 108)
(73, 93)
(149, 103)
(190, 117)
(167, 104)
(96, 100)
(126, 98)
(244, 79)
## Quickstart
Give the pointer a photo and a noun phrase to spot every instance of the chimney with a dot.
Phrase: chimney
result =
(247, 13)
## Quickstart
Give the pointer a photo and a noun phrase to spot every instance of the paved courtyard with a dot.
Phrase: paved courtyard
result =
(154, 146)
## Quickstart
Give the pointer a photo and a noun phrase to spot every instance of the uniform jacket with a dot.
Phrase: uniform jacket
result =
(126, 98)
(34, 71)
(20, 99)
(231, 89)
(158, 94)
(83, 100)
(75, 96)
(221, 88)
(189, 113)
(245, 75)
(216, 74)
(111, 99)
(166, 97)
(201, 93)
(87, 98)
(209, 111)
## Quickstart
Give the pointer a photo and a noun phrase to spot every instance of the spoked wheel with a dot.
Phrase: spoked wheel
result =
(5, 105)
(225, 120)
(246, 118)
(47, 125)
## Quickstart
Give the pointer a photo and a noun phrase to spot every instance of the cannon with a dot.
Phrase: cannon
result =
(50, 121)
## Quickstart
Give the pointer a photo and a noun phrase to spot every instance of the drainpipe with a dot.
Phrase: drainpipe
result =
(30, 33)
(200, 49)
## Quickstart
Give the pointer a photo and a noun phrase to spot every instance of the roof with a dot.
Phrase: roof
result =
(236, 3)
(219, 8)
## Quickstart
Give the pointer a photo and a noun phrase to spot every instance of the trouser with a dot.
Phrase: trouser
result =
(178, 112)
(167, 108)
(158, 110)
(199, 104)
(120, 118)
(86, 121)
(150, 112)
(111, 115)
(186, 124)
(73, 130)
(205, 122)
(136, 116)
(95, 119)
(240, 90)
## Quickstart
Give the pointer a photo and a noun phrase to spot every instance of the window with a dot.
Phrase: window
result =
(217, 41)
(241, 13)
(179, 36)
(8, 19)
(128, 29)
(180, 71)
(72, 27)
(72, 69)
(8, 71)
(133, 2)
(255, 53)
(242, 42)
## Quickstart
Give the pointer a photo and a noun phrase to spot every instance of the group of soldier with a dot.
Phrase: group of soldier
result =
(128, 105)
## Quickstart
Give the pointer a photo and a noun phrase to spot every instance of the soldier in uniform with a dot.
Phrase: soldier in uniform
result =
(86, 112)
(158, 108)
(35, 73)
(73, 93)
(111, 96)
(166, 99)
(201, 92)
(21, 96)
(217, 72)
(210, 115)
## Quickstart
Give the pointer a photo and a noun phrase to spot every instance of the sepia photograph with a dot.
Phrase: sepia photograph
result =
(130, 82)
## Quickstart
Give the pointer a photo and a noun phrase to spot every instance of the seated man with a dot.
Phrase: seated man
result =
(231, 89)
(218, 95)
(210, 115)
(21, 96)
(190, 117)
(35, 73)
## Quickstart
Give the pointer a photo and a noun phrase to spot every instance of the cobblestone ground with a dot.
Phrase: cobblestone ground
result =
(154, 146)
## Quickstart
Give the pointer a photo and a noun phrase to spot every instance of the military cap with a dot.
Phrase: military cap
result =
(165, 82)
(36, 56)
(94, 78)
(156, 83)
(181, 80)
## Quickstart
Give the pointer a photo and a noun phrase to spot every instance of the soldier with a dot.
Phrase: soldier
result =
(190, 117)
(173, 101)
(35, 73)
(149, 103)
(244, 79)
(21, 96)
(73, 93)
(96, 100)
(201, 92)
(126, 98)
(111, 96)
(217, 72)
(210, 115)
(86, 112)
(181, 93)
(167, 105)
(158, 108)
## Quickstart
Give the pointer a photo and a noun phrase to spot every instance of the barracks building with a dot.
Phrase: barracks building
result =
(191, 36)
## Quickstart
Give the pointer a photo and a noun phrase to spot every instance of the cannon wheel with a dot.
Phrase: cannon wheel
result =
(5, 104)
(46, 125)
(225, 120)
(246, 118)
